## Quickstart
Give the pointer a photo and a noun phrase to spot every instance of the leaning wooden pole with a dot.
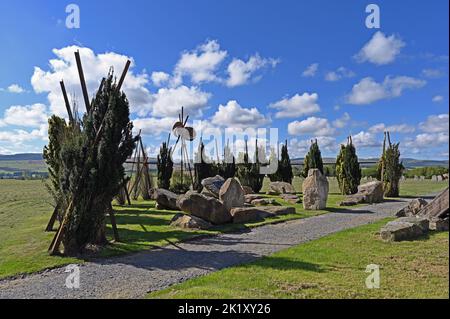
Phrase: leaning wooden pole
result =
(66, 101)
(82, 81)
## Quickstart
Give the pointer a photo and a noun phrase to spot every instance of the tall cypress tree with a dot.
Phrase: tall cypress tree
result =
(313, 159)
(202, 168)
(284, 166)
(390, 168)
(248, 173)
(348, 172)
(165, 166)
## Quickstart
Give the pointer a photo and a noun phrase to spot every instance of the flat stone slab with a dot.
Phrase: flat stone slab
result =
(439, 224)
(399, 230)
(189, 222)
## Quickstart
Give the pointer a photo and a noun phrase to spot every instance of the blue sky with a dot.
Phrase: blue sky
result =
(312, 69)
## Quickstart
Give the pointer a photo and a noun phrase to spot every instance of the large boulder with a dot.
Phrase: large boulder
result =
(372, 191)
(231, 194)
(165, 199)
(439, 224)
(207, 208)
(278, 210)
(368, 193)
(401, 230)
(189, 222)
(277, 188)
(264, 202)
(213, 185)
(413, 208)
(423, 223)
(315, 190)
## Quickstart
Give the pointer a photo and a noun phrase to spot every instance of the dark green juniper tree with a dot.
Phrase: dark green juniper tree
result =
(249, 173)
(348, 172)
(227, 169)
(91, 173)
(390, 168)
(284, 172)
(165, 166)
(203, 167)
(313, 159)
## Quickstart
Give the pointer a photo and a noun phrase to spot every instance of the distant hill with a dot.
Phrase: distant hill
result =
(22, 157)
(411, 163)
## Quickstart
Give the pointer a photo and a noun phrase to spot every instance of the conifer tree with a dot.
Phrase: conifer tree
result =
(348, 172)
(390, 168)
(313, 159)
(165, 166)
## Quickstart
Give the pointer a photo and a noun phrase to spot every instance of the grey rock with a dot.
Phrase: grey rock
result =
(189, 222)
(207, 208)
(247, 190)
(423, 223)
(315, 191)
(413, 208)
(277, 188)
(231, 194)
(264, 202)
(290, 198)
(439, 224)
(251, 197)
(165, 200)
(213, 184)
(398, 231)
(243, 215)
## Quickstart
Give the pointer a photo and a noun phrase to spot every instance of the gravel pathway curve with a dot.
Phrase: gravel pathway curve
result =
(134, 275)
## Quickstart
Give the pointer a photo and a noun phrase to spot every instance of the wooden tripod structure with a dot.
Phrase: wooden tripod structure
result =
(139, 169)
(54, 246)
(183, 133)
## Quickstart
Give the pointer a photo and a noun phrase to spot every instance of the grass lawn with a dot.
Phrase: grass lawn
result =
(25, 209)
(333, 267)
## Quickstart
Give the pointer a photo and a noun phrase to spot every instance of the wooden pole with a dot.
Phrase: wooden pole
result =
(52, 220)
(112, 217)
(66, 101)
(82, 81)
(124, 73)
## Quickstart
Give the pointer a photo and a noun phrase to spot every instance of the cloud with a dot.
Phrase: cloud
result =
(200, 64)
(19, 136)
(368, 90)
(380, 49)
(433, 73)
(241, 72)
(365, 140)
(95, 67)
(234, 115)
(311, 126)
(299, 148)
(15, 88)
(160, 78)
(435, 124)
(343, 121)
(153, 126)
(28, 116)
(437, 99)
(311, 70)
(427, 140)
(340, 73)
(168, 101)
(297, 105)
(400, 128)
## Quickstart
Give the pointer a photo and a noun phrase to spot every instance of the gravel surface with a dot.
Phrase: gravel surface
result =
(134, 275)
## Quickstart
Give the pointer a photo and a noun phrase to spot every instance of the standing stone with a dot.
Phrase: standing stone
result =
(207, 208)
(439, 178)
(416, 178)
(277, 188)
(372, 191)
(213, 185)
(422, 178)
(434, 178)
(231, 194)
(315, 190)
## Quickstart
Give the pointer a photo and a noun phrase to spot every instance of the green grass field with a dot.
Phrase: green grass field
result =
(332, 267)
(25, 208)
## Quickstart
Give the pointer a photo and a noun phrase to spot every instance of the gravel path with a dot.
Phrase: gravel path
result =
(134, 275)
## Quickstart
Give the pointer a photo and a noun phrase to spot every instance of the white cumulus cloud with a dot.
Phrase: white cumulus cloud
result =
(297, 105)
(311, 126)
(234, 115)
(240, 72)
(380, 49)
